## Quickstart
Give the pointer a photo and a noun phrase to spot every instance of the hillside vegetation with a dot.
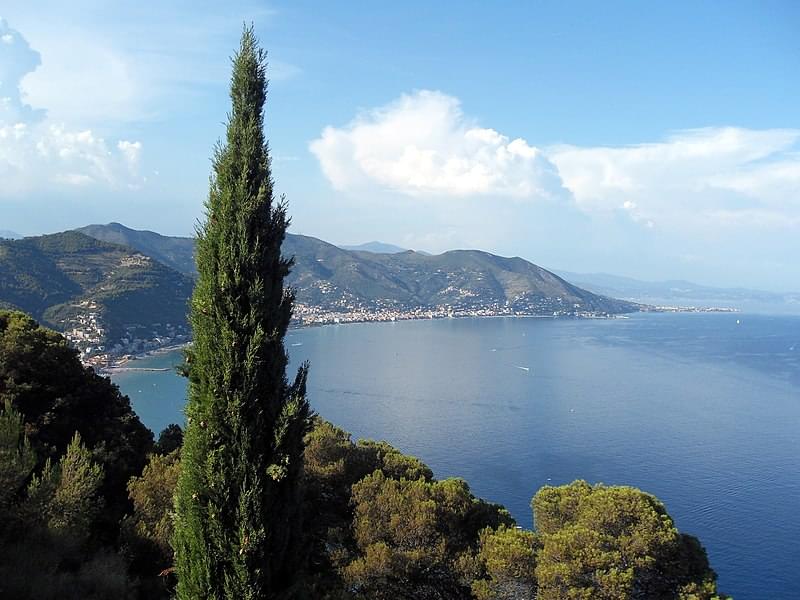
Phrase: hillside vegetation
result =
(117, 287)
(378, 524)
(332, 278)
(174, 252)
(70, 280)
(326, 276)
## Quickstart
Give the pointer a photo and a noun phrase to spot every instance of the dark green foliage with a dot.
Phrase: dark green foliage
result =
(174, 252)
(37, 565)
(615, 543)
(152, 498)
(556, 507)
(393, 463)
(507, 562)
(170, 439)
(381, 527)
(147, 533)
(45, 548)
(42, 378)
(410, 535)
(17, 458)
(333, 463)
(237, 532)
(65, 498)
(374, 532)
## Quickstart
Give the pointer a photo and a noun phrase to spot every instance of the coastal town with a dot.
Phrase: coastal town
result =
(86, 331)
(305, 315)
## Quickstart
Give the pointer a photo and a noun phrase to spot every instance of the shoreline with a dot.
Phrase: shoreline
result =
(121, 364)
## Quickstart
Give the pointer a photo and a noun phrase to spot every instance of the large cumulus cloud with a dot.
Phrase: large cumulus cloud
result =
(37, 153)
(422, 144)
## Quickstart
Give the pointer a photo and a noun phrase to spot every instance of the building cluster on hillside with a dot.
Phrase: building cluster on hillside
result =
(305, 315)
(694, 309)
(140, 338)
(137, 340)
(85, 330)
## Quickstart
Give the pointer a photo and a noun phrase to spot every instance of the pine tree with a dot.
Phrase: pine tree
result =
(17, 458)
(237, 531)
(66, 498)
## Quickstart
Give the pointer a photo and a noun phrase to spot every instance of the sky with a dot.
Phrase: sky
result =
(648, 139)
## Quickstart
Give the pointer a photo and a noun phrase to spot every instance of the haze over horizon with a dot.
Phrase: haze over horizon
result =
(656, 143)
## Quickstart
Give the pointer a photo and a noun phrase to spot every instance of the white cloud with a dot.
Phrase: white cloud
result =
(46, 156)
(84, 80)
(76, 179)
(38, 153)
(422, 144)
(774, 182)
(696, 177)
(131, 151)
(125, 65)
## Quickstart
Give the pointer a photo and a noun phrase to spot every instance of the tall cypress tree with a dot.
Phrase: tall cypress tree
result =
(238, 526)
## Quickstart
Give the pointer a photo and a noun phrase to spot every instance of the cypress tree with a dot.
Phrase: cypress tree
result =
(237, 531)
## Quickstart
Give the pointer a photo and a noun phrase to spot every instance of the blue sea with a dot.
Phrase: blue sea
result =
(702, 410)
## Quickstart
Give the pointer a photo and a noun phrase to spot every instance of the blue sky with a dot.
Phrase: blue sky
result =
(655, 140)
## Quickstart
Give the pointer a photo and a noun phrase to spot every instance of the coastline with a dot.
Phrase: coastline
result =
(122, 363)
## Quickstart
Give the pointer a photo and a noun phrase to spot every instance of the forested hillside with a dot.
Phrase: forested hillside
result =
(331, 278)
(105, 293)
(114, 287)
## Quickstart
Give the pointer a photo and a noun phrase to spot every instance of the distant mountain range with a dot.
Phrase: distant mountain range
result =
(104, 292)
(174, 252)
(684, 293)
(376, 248)
(329, 277)
(333, 278)
(9, 235)
(134, 285)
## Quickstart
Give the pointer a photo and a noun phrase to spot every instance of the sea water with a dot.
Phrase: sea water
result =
(702, 410)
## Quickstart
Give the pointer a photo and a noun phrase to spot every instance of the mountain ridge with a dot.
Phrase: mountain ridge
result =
(127, 290)
(177, 252)
(375, 247)
(383, 277)
(98, 293)
(460, 280)
(682, 292)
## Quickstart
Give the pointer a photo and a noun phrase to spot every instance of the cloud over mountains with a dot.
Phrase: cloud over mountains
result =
(422, 144)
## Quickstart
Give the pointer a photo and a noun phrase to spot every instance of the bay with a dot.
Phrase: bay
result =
(702, 410)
